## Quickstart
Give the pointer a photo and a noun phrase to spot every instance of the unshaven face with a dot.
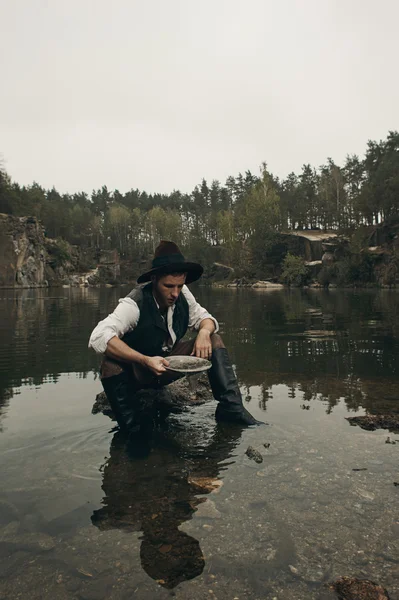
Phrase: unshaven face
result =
(167, 288)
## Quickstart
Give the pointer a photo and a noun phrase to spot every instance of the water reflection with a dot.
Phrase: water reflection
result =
(44, 333)
(157, 494)
(322, 346)
(374, 396)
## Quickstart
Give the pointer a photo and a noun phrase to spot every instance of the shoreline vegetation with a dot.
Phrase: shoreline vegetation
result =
(331, 226)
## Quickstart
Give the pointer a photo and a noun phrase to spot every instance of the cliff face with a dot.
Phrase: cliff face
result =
(22, 252)
(28, 259)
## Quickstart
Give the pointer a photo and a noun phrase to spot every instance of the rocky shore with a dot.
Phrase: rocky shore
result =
(29, 259)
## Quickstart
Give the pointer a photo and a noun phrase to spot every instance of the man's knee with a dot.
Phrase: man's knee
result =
(217, 341)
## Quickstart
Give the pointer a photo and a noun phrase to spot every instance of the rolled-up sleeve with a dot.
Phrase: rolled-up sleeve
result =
(196, 312)
(124, 318)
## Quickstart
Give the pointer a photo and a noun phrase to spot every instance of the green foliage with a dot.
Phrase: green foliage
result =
(263, 256)
(357, 266)
(261, 206)
(359, 240)
(59, 252)
(352, 270)
(389, 271)
(201, 249)
(295, 271)
(5, 189)
(360, 269)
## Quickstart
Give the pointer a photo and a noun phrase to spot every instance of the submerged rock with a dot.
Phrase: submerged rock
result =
(351, 588)
(173, 398)
(254, 454)
(102, 405)
(25, 540)
(372, 422)
(205, 485)
(207, 510)
(8, 512)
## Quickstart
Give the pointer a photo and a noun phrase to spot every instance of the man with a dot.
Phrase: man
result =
(147, 326)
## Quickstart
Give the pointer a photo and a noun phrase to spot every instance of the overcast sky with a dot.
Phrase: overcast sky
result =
(157, 94)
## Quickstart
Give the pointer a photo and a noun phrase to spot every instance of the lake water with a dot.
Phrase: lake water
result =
(79, 519)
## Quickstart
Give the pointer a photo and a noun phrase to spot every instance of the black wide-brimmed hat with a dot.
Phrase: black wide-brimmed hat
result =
(169, 259)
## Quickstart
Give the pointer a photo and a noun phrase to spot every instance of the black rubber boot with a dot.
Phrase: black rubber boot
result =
(225, 389)
(137, 425)
(120, 394)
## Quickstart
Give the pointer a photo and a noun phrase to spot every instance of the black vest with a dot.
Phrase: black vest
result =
(151, 331)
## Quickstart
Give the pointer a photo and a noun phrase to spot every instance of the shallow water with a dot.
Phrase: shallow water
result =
(197, 518)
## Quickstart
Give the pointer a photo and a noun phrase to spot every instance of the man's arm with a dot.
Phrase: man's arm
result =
(201, 320)
(208, 326)
(203, 345)
(118, 350)
(105, 338)
(124, 318)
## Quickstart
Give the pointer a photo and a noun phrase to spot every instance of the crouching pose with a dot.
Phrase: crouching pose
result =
(148, 326)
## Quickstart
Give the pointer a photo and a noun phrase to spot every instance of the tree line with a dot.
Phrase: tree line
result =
(241, 215)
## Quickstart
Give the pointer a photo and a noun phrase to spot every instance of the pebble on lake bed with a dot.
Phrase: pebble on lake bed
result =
(254, 454)
(351, 588)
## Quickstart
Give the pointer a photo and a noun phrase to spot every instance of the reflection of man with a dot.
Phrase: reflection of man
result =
(148, 325)
(157, 495)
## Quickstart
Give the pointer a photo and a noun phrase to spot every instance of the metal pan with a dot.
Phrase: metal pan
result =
(187, 364)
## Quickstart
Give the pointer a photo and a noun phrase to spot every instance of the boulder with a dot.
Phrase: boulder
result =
(314, 267)
(315, 285)
(268, 285)
(327, 259)
(93, 277)
(173, 398)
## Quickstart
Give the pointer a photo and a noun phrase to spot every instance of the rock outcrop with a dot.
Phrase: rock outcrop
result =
(22, 252)
(29, 259)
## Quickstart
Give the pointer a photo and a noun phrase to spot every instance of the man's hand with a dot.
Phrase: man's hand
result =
(203, 345)
(156, 364)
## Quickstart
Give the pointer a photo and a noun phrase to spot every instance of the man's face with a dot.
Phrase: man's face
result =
(167, 289)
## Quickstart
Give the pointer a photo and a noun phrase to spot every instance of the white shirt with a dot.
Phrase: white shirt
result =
(126, 316)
